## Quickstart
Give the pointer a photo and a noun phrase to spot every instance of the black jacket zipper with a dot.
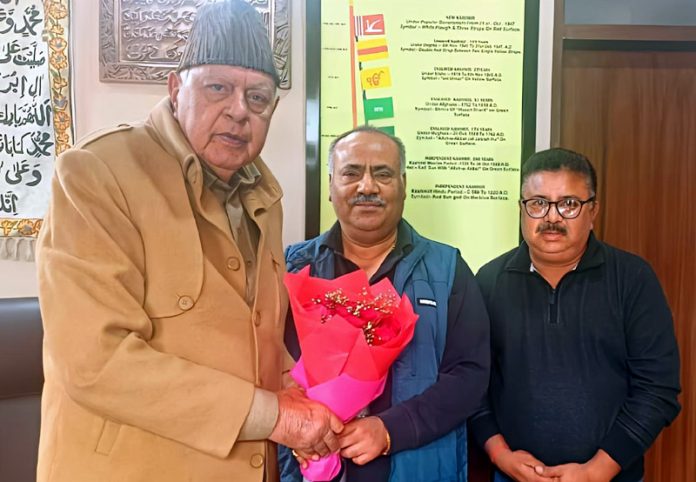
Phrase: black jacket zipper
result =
(553, 306)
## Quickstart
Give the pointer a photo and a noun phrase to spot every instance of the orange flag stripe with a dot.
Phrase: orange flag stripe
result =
(373, 50)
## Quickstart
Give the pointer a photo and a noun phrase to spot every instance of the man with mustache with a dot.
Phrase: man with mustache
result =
(415, 430)
(160, 277)
(585, 367)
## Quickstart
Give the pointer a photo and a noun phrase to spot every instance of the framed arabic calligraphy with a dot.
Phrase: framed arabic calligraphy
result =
(142, 40)
(35, 114)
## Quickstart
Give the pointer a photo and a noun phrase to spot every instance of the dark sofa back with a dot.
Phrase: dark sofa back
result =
(21, 381)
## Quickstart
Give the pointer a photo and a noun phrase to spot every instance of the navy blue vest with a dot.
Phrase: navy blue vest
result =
(425, 275)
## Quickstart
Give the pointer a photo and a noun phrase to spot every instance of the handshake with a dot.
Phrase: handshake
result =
(306, 426)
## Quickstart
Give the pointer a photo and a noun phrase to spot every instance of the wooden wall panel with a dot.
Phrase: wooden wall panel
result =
(634, 115)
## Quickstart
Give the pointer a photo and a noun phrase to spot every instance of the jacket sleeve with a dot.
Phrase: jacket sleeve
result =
(463, 373)
(653, 368)
(482, 423)
(92, 278)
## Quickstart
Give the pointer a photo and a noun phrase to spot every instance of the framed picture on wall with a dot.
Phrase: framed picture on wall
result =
(142, 41)
(35, 113)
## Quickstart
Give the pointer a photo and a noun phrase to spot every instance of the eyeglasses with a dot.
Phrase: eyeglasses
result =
(567, 208)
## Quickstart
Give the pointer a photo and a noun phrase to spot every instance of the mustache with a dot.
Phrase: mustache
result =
(551, 227)
(367, 198)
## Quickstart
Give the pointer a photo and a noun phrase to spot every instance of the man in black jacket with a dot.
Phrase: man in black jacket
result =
(585, 369)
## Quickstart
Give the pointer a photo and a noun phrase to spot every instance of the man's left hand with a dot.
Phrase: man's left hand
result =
(363, 439)
(571, 473)
(601, 468)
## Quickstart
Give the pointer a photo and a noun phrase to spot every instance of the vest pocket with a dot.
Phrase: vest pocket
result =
(108, 437)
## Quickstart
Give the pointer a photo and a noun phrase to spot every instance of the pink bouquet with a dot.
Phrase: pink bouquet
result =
(350, 333)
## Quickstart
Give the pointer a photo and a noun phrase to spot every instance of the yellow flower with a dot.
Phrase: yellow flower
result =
(62, 142)
(56, 28)
(57, 43)
(57, 10)
(62, 136)
(58, 60)
(26, 228)
(61, 121)
(59, 82)
(61, 116)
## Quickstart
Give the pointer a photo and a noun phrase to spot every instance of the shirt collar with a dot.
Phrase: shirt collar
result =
(165, 129)
(532, 268)
(592, 257)
(403, 245)
(246, 176)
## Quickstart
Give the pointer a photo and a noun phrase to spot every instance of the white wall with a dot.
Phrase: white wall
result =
(99, 105)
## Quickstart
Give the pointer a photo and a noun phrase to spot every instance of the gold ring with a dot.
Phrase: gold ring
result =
(294, 454)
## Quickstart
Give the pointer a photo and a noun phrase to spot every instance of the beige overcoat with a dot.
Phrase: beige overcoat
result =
(151, 354)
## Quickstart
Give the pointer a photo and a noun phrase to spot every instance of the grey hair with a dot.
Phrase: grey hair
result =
(374, 130)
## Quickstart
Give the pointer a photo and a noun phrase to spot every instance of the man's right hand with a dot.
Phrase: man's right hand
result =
(518, 464)
(305, 424)
(522, 466)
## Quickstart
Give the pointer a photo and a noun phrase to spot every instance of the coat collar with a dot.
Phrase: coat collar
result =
(166, 130)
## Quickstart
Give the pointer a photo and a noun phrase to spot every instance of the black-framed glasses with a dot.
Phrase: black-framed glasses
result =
(567, 208)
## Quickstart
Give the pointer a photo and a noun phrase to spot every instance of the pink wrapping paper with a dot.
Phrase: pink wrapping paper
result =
(338, 366)
(346, 396)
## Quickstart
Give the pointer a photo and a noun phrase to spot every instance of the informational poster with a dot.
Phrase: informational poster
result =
(35, 115)
(445, 77)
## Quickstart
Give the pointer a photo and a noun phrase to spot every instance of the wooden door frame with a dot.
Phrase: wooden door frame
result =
(606, 37)
(567, 38)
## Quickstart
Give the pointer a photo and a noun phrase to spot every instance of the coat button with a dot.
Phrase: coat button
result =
(256, 461)
(257, 318)
(185, 303)
(233, 263)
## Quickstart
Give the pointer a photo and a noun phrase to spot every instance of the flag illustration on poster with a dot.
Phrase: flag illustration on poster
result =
(376, 78)
(369, 45)
(373, 49)
(382, 108)
(369, 25)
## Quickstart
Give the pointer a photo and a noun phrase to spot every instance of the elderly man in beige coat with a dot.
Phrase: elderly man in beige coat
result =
(161, 284)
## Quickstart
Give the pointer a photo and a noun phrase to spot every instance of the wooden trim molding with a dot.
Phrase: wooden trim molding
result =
(557, 71)
(628, 32)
